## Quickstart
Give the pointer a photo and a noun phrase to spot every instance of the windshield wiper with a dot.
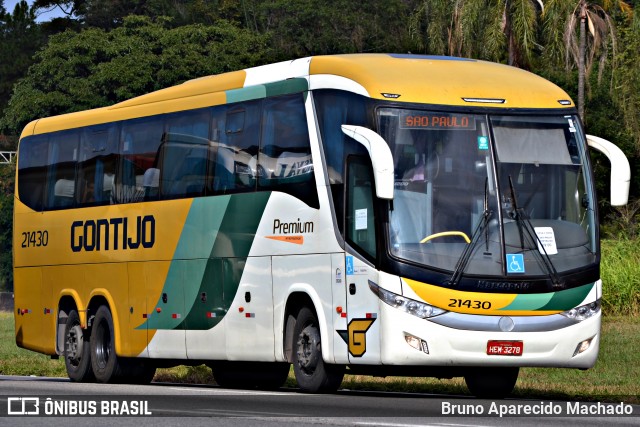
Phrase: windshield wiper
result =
(468, 250)
(525, 227)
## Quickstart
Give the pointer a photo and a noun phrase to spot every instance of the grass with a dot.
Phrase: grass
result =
(613, 379)
(18, 361)
(619, 269)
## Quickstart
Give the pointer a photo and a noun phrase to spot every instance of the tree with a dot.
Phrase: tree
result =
(588, 33)
(7, 173)
(627, 80)
(95, 67)
(299, 28)
(491, 29)
(20, 37)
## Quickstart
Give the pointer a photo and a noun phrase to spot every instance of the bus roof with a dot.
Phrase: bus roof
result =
(436, 80)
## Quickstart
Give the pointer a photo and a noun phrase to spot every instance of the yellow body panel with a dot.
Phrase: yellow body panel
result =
(30, 323)
(441, 297)
(169, 219)
(198, 93)
(143, 297)
(46, 274)
(443, 81)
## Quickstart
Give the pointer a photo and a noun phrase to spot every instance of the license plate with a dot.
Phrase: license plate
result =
(505, 348)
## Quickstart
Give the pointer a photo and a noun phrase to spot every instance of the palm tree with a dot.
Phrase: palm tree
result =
(588, 34)
(478, 28)
(520, 19)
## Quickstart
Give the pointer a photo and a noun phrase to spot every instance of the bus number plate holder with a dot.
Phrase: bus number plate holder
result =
(505, 348)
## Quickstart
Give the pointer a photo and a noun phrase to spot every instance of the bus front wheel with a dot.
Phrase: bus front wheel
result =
(312, 373)
(104, 361)
(77, 350)
(491, 383)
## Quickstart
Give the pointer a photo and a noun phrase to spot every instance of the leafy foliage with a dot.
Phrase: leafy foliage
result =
(96, 67)
(19, 38)
(107, 56)
(7, 180)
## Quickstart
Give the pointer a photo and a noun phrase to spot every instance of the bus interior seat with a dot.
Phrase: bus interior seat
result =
(64, 192)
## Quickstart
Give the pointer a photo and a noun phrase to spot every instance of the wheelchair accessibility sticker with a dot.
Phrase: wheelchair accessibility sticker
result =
(349, 260)
(352, 269)
(515, 263)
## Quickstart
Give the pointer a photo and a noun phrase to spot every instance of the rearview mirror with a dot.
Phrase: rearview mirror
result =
(381, 158)
(620, 171)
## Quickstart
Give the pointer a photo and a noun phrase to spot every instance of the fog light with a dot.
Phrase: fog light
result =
(583, 346)
(417, 343)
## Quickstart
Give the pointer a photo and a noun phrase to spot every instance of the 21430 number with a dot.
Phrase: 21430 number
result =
(484, 305)
(35, 239)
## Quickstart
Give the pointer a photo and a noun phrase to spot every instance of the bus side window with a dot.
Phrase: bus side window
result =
(359, 215)
(97, 165)
(237, 152)
(285, 162)
(139, 143)
(184, 155)
(32, 170)
(61, 177)
(335, 108)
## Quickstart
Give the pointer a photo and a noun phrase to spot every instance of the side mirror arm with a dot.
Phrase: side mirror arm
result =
(381, 158)
(620, 170)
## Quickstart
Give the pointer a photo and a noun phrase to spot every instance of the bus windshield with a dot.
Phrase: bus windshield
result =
(493, 185)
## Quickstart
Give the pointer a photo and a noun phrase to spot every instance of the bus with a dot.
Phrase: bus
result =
(371, 214)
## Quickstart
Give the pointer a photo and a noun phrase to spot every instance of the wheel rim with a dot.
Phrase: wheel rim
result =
(74, 345)
(103, 345)
(308, 351)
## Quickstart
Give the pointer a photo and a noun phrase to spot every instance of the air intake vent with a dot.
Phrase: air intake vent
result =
(485, 100)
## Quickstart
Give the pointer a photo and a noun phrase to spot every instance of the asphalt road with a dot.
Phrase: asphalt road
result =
(162, 404)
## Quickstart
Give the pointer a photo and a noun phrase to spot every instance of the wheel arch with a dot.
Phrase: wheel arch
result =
(298, 298)
(68, 301)
(103, 297)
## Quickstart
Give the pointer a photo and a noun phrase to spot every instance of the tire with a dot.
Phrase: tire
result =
(312, 373)
(104, 362)
(491, 383)
(77, 350)
(250, 375)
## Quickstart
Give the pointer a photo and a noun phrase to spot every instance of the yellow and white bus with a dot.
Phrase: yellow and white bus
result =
(371, 214)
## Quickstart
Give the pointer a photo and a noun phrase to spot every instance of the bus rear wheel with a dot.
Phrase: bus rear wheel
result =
(491, 383)
(77, 350)
(104, 361)
(312, 373)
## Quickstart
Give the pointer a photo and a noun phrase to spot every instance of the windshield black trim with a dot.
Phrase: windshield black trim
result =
(472, 109)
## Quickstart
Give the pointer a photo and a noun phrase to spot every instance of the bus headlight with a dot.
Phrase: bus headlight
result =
(416, 308)
(583, 312)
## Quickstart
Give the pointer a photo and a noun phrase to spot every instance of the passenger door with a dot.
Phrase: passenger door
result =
(363, 329)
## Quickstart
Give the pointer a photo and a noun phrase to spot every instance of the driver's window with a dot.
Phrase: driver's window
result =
(359, 215)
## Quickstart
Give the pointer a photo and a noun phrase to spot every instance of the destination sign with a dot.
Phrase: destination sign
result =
(437, 121)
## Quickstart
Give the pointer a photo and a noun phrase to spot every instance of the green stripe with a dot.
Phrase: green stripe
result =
(566, 300)
(552, 301)
(269, 89)
(529, 301)
(226, 263)
(246, 94)
(209, 258)
(287, 86)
